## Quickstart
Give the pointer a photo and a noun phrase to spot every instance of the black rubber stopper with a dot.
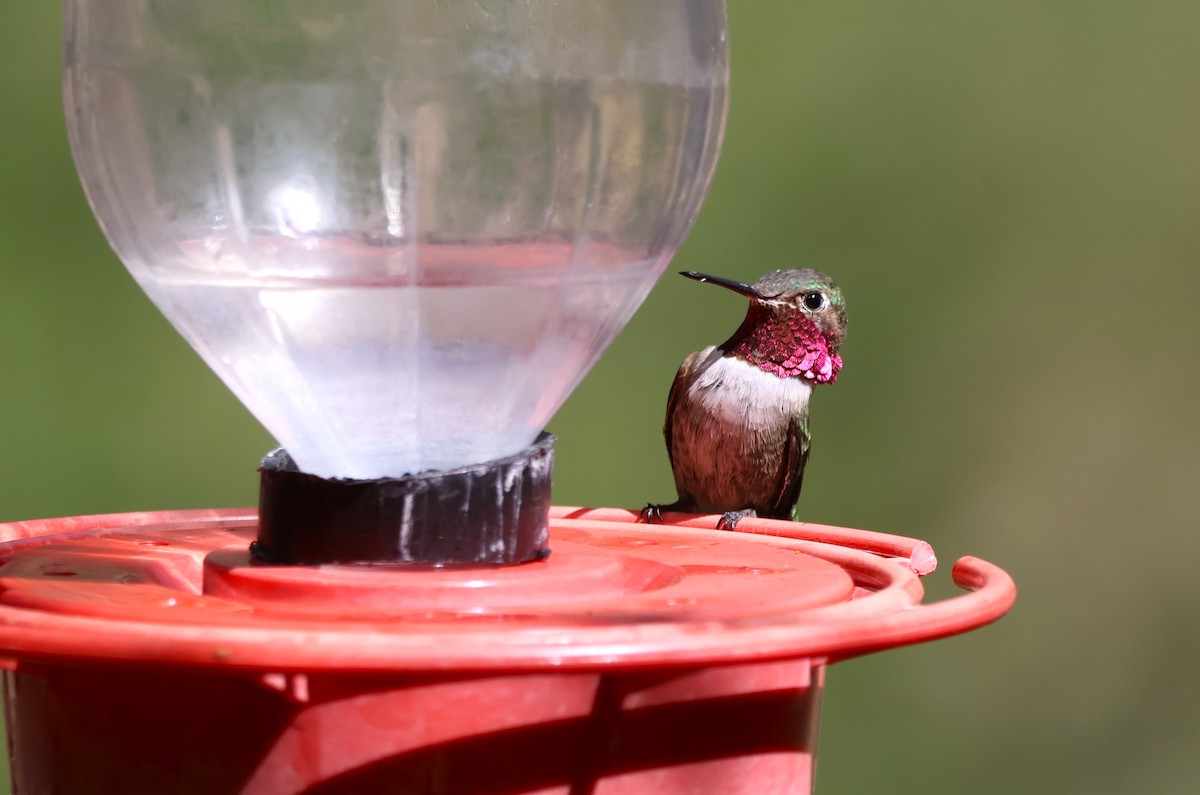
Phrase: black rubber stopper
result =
(497, 512)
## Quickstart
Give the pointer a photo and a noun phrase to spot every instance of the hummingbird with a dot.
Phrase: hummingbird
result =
(737, 417)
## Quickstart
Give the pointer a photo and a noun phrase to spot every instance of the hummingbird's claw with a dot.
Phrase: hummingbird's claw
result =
(729, 520)
(651, 514)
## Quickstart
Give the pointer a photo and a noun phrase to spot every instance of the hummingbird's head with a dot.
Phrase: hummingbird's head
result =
(811, 293)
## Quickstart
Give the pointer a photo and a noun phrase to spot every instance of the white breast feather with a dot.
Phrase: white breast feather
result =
(732, 389)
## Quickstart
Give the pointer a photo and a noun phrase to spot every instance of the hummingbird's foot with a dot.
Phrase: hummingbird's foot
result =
(652, 513)
(729, 520)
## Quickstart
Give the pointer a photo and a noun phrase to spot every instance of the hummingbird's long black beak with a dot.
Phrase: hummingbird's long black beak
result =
(729, 284)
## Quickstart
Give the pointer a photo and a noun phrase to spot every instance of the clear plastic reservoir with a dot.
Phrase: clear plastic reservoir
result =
(401, 232)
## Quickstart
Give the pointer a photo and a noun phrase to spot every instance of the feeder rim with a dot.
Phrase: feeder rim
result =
(886, 612)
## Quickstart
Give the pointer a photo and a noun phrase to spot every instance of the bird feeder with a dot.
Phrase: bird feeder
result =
(401, 232)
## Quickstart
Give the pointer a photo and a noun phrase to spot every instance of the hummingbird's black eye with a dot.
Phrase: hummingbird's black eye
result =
(814, 301)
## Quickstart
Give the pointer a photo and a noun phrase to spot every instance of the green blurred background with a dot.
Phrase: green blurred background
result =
(1006, 190)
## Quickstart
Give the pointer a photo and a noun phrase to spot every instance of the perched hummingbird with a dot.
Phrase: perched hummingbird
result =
(737, 417)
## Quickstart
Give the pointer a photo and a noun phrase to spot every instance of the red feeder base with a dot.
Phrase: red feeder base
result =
(151, 653)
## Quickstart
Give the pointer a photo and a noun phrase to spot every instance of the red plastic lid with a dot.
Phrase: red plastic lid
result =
(181, 588)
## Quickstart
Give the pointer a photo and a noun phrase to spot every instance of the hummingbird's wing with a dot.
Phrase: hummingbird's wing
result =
(695, 364)
(791, 471)
(677, 388)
